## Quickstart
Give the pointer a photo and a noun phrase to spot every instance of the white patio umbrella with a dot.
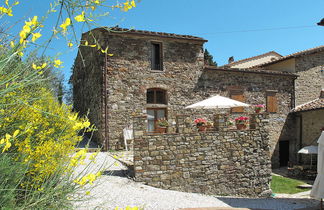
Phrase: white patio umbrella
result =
(309, 150)
(215, 102)
(318, 186)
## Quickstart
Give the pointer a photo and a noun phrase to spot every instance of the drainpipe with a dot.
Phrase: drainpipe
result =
(300, 133)
(106, 147)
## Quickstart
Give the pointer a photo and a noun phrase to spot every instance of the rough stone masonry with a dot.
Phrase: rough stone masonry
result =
(221, 162)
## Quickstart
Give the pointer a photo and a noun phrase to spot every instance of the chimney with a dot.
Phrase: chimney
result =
(322, 94)
(230, 59)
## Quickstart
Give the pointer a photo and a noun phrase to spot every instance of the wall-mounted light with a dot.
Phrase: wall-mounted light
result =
(322, 72)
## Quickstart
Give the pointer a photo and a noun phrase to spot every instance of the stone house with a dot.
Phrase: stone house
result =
(158, 74)
(310, 122)
(255, 60)
(307, 64)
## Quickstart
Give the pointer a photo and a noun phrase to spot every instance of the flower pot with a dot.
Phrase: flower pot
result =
(240, 126)
(202, 128)
(161, 129)
(257, 110)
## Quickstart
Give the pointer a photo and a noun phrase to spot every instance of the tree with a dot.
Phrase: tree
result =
(209, 60)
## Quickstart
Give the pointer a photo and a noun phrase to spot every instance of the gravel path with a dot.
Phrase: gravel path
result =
(115, 189)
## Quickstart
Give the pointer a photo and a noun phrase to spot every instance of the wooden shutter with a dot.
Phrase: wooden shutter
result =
(272, 103)
(238, 97)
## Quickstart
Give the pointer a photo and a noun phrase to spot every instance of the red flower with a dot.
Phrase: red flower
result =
(200, 121)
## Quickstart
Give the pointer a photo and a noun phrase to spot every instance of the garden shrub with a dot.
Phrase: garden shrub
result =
(38, 136)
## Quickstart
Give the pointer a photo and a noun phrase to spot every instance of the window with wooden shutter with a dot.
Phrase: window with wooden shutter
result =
(156, 59)
(272, 103)
(237, 95)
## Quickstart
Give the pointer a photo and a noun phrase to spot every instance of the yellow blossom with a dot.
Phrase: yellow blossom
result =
(65, 24)
(104, 51)
(12, 44)
(26, 29)
(34, 20)
(7, 146)
(57, 63)
(36, 36)
(93, 156)
(87, 193)
(80, 18)
(70, 44)
(128, 5)
(34, 66)
(15, 133)
(7, 11)
(86, 124)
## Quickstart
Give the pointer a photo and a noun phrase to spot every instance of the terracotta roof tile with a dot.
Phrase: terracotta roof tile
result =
(151, 33)
(312, 105)
(247, 70)
(252, 58)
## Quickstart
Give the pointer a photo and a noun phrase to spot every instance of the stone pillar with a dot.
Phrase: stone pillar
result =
(183, 124)
(139, 126)
(254, 121)
(220, 122)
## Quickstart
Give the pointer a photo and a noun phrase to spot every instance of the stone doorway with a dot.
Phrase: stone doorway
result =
(283, 153)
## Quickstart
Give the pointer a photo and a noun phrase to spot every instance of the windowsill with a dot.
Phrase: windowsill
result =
(156, 106)
(156, 71)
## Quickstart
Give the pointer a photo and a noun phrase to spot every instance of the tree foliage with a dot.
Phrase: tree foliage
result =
(209, 60)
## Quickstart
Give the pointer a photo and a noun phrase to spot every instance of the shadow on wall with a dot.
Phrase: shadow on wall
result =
(286, 147)
(269, 203)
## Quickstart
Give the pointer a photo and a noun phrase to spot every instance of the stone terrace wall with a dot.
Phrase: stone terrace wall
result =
(254, 88)
(222, 163)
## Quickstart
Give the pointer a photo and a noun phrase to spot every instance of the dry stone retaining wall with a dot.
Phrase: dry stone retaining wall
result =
(220, 162)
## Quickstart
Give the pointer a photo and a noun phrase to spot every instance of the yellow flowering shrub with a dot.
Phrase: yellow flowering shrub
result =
(48, 133)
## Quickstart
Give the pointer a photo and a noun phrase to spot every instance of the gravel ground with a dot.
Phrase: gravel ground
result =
(114, 188)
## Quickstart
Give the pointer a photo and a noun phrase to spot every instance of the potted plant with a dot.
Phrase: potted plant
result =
(162, 125)
(258, 108)
(209, 125)
(240, 122)
(200, 124)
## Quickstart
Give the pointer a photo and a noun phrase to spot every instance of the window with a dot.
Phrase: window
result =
(272, 104)
(156, 60)
(153, 115)
(237, 95)
(156, 96)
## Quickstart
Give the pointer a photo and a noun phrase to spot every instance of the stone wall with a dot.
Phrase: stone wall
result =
(87, 80)
(130, 75)
(184, 78)
(218, 163)
(309, 82)
(313, 121)
(254, 87)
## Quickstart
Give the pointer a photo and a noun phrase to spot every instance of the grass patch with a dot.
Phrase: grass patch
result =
(286, 185)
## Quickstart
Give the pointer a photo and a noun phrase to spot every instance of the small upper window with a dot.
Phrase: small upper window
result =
(237, 95)
(156, 61)
(272, 103)
(156, 96)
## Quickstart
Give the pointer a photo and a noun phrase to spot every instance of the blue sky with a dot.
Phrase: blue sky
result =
(232, 27)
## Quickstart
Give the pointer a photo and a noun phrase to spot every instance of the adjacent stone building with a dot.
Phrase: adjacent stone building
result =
(158, 74)
(253, 61)
(307, 65)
